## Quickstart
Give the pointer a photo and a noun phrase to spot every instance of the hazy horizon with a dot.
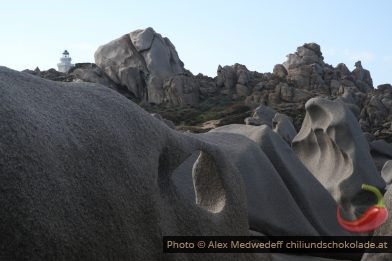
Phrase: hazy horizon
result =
(258, 34)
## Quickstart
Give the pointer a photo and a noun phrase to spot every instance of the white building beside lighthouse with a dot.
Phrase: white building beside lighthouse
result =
(65, 62)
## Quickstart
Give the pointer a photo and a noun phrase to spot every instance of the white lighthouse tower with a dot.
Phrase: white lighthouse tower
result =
(65, 62)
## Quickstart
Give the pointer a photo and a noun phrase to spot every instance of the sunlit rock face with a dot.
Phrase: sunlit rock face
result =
(145, 62)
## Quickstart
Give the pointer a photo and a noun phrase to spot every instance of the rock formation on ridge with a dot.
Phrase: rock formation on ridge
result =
(148, 65)
(145, 67)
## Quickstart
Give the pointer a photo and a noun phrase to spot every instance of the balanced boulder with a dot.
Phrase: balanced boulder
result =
(142, 61)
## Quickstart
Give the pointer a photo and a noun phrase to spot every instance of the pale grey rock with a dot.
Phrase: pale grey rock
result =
(233, 80)
(181, 90)
(162, 59)
(307, 76)
(280, 71)
(142, 39)
(141, 60)
(300, 76)
(332, 147)
(112, 57)
(87, 175)
(262, 115)
(306, 70)
(283, 125)
(305, 67)
(242, 75)
(305, 55)
(386, 172)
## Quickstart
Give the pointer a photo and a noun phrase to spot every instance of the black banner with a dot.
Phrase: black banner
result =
(294, 245)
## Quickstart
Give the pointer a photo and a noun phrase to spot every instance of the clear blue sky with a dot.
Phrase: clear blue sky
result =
(258, 34)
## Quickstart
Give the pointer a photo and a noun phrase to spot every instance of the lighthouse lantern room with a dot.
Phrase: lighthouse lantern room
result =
(65, 62)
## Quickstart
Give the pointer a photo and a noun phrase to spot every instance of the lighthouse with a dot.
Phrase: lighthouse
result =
(65, 62)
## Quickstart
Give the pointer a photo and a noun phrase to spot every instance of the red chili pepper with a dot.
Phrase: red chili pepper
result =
(373, 218)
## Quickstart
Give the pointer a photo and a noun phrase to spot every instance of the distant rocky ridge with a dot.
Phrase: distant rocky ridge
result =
(145, 67)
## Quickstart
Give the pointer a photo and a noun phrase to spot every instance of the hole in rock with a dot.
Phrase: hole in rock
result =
(198, 180)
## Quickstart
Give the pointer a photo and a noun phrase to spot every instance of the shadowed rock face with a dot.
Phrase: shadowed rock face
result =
(381, 152)
(332, 147)
(85, 174)
(283, 198)
(281, 173)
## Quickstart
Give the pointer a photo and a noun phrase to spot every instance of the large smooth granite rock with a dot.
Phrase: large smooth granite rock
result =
(147, 64)
(87, 175)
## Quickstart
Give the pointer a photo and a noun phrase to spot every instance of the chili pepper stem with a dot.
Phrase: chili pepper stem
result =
(380, 198)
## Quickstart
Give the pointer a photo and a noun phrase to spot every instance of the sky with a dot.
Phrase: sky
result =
(258, 34)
